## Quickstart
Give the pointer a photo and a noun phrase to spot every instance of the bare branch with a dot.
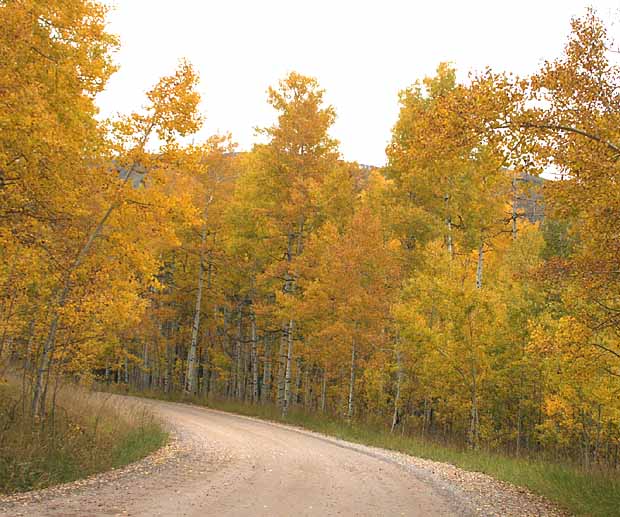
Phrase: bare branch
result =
(570, 129)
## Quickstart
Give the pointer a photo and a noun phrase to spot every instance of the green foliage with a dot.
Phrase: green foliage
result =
(558, 240)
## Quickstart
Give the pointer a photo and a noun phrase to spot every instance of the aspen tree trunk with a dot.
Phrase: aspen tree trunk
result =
(190, 378)
(399, 373)
(480, 264)
(282, 364)
(246, 369)
(206, 387)
(230, 384)
(599, 428)
(155, 368)
(8, 311)
(289, 365)
(266, 388)
(209, 340)
(254, 359)
(449, 227)
(4, 310)
(289, 287)
(300, 237)
(323, 391)
(145, 365)
(298, 374)
(28, 358)
(474, 425)
(45, 389)
(307, 387)
(519, 427)
(234, 342)
(206, 363)
(47, 355)
(238, 357)
(167, 367)
(514, 205)
(351, 382)
(520, 403)
(229, 347)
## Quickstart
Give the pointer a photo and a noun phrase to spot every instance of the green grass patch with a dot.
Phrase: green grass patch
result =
(83, 435)
(138, 443)
(583, 493)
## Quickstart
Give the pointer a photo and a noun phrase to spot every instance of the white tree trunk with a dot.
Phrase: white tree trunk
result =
(254, 358)
(145, 366)
(480, 265)
(298, 380)
(238, 357)
(47, 355)
(266, 388)
(289, 287)
(399, 374)
(514, 205)
(351, 383)
(282, 364)
(323, 391)
(474, 425)
(449, 227)
(192, 354)
(289, 367)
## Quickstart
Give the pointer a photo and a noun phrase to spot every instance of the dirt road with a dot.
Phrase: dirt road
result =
(226, 465)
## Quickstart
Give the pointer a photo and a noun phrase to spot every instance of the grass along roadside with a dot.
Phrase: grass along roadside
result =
(85, 434)
(582, 493)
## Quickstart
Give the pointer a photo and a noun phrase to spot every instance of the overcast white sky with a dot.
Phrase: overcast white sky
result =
(362, 53)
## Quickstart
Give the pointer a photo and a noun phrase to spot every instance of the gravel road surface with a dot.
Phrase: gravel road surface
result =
(227, 465)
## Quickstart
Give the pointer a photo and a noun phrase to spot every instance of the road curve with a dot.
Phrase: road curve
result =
(229, 465)
(275, 470)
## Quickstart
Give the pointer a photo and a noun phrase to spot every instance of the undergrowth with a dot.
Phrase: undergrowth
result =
(82, 435)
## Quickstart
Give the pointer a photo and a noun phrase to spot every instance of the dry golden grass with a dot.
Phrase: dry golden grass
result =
(82, 433)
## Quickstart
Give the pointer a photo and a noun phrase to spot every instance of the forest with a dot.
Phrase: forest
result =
(467, 291)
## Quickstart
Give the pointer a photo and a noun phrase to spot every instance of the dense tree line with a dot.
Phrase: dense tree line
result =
(418, 295)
